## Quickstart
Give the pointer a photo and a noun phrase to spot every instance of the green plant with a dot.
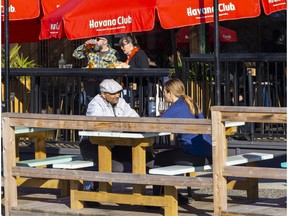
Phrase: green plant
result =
(17, 60)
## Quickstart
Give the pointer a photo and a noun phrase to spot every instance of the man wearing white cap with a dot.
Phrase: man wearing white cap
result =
(109, 103)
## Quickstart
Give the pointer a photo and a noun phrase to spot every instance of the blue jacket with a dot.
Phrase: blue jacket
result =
(196, 144)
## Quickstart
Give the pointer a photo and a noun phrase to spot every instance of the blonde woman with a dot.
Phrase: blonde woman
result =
(194, 149)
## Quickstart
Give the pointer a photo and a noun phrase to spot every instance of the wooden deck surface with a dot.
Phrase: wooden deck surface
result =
(45, 202)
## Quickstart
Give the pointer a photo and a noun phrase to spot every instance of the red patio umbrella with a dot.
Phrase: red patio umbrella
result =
(77, 19)
(271, 6)
(24, 18)
(177, 13)
(182, 35)
(225, 34)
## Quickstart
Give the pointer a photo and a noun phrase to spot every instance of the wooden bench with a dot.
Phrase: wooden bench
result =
(48, 160)
(231, 161)
(62, 161)
(251, 187)
(75, 164)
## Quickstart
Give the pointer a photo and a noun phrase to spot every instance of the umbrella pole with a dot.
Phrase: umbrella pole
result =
(217, 55)
(174, 51)
(7, 54)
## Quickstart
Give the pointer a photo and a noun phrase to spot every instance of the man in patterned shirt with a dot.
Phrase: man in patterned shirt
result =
(98, 52)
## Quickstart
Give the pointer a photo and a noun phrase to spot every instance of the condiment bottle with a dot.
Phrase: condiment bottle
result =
(62, 62)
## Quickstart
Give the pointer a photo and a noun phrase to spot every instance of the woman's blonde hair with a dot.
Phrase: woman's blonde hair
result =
(176, 87)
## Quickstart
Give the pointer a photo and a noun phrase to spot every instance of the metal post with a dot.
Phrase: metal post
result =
(174, 51)
(7, 54)
(217, 55)
(251, 97)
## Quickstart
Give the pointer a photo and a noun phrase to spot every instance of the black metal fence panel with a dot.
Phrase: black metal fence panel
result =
(246, 80)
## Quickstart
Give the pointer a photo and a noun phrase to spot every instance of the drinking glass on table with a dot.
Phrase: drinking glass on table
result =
(162, 106)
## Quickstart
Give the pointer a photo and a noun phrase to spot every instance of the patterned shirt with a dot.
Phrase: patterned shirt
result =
(99, 59)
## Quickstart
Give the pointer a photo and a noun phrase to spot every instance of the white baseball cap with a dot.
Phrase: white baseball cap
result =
(110, 86)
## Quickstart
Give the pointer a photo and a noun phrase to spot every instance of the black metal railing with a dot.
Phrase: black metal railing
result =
(243, 73)
(49, 87)
(69, 90)
(255, 79)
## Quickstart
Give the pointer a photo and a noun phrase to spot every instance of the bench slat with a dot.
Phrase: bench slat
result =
(247, 157)
(178, 169)
(231, 160)
(77, 164)
(47, 161)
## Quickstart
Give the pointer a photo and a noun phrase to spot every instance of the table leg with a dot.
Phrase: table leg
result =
(105, 165)
(170, 192)
(138, 166)
(75, 187)
(40, 148)
(17, 149)
(252, 186)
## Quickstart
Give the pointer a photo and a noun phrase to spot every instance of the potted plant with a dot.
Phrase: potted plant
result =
(17, 60)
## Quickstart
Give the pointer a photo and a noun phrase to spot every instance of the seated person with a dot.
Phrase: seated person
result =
(107, 103)
(194, 149)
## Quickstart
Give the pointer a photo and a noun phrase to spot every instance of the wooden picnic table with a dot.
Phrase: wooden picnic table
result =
(139, 142)
(155, 125)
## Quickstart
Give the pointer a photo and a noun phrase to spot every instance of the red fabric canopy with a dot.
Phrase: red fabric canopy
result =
(77, 19)
(50, 5)
(19, 10)
(24, 18)
(225, 34)
(177, 13)
(183, 35)
(271, 6)
(84, 18)
(89, 18)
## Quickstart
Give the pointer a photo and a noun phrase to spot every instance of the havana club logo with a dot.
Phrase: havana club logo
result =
(210, 10)
(11, 9)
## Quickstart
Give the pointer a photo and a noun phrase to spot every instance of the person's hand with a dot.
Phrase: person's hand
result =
(90, 43)
(118, 64)
(125, 65)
